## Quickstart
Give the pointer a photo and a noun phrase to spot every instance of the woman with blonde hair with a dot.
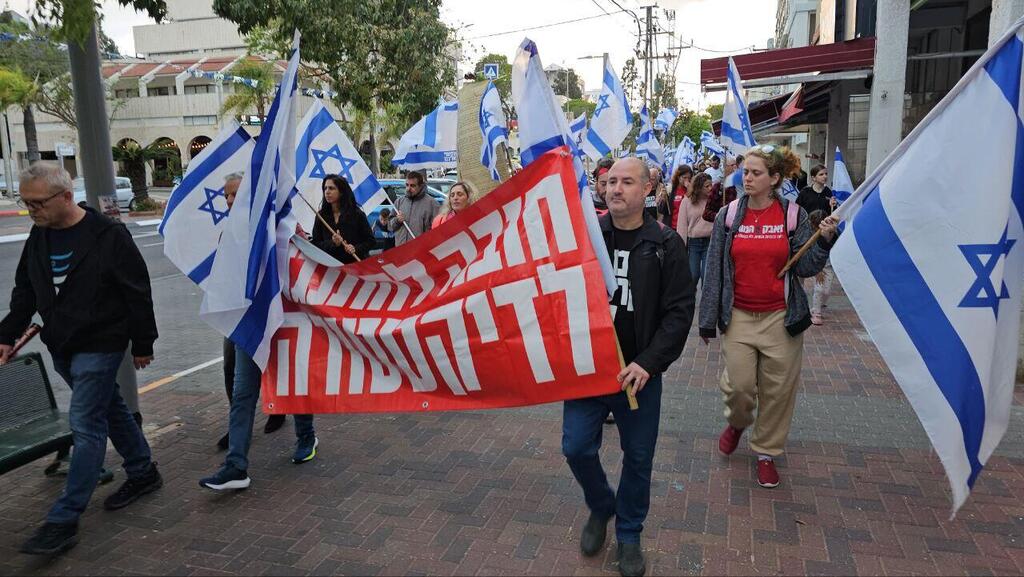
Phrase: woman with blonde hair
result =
(762, 317)
(460, 195)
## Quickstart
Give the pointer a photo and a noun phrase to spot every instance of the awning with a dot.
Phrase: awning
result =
(808, 104)
(850, 59)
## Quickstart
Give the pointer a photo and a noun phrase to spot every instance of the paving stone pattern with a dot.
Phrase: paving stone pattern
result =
(488, 493)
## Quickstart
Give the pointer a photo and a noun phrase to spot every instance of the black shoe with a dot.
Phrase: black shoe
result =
(106, 476)
(274, 422)
(227, 478)
(138, 418)
(594, 534)
(631, 560)
(222, 444)
(134, 488)
(52, 539)
(610, 419)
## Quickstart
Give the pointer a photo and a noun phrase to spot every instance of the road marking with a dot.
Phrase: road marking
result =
(152, 244)
(13, 238)
(161, 382)
(145, 235)
(152, 222)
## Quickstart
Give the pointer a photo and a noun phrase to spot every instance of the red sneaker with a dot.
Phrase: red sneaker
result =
(767, 476)
(729, 439)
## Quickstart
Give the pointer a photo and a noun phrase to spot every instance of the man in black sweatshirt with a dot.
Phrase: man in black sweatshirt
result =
(83, 274)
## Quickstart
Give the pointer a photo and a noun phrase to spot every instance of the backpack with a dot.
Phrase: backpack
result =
(792, 215)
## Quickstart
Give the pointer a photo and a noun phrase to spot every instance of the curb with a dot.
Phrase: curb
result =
(13, 213)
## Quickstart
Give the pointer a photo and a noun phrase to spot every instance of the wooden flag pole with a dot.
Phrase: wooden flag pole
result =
(792, 260)
(630, 390)
(324, 222)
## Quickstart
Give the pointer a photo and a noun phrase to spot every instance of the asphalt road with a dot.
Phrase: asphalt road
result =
(185, 341)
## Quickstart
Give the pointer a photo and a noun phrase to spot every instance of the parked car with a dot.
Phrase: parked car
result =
(442, 184)
(125, 197)
(3, 186)
(395, 189)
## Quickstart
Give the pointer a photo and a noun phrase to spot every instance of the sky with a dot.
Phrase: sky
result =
(749, 23)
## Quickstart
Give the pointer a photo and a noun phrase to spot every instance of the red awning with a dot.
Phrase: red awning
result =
(856, 54)
(793, 106)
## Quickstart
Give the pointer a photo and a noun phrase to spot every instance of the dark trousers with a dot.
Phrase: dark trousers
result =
(229, 367)
(582, 427)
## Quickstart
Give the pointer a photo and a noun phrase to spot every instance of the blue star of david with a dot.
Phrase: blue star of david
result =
(601, 105)
(320, 156)
(487, 118)
(982, 293)
(211, 195)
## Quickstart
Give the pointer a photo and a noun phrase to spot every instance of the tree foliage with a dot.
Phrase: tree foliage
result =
(134, 158)
(247, 99)
(73, 19)
(566, 83)
(577, 105)
(503, 82)
(632, 85)
(714, 111)
(690, 123)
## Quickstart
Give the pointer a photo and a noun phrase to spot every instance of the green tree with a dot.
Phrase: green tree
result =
(247, 98)
(16, 89)
(566, 83)
(631, 83)
(134, 158)
(389, 122)
(503, 82)
(690, 123)
(577, 105)
(373, 53)
(73, 19)
(714, 111)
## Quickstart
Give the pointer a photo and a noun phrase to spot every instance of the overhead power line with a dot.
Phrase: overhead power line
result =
(542, 26)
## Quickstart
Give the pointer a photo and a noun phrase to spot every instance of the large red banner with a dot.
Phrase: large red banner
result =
(501, 306)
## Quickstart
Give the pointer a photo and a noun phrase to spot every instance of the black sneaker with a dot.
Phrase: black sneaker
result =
(631, 560)
(274, 422)
(594, 534)
(51, 539)
(305, 449)
(222, 444)
(225, 479)
(134, 488)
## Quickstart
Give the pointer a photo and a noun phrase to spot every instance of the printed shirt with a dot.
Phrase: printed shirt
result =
(760, 249)
(622, 301)
(62, 243)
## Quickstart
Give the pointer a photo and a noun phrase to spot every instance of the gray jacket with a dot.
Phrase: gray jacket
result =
(719, 276)
(419, 214)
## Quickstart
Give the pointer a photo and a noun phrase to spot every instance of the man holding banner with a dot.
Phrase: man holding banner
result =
(652, 311)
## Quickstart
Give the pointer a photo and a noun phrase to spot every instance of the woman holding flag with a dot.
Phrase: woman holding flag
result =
(349, 237)
(761, 312)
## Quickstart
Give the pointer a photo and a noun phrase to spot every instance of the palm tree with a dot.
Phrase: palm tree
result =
(134, 159)
(384, 125)
(247, 98)
(16, 89)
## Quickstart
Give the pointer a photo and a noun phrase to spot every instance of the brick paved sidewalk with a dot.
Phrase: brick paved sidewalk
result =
(488, 493)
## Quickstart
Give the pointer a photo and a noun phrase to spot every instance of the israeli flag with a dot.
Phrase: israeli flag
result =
(737, 134)
(577, 127)
(543, 127)
(323, 148)
(611, 121)
(432, 142)
(684, 154)
(842, 186)
(197, 209)
(710, 144)
(665, 119)
(243, 292)
(789, 190)
(935, 265)
(492, 128)
(647, 145)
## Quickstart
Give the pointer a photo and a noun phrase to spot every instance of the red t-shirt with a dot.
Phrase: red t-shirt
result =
(680, 194)
(759, 251)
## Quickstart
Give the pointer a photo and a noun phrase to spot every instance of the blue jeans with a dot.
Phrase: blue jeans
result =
(244, 397)
(582, 425)
(97, 411)
(697, 248)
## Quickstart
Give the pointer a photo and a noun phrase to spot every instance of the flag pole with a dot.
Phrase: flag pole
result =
(395, 206)
(324, 222)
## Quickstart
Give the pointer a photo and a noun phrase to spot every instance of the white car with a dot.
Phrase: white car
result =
(124, 191)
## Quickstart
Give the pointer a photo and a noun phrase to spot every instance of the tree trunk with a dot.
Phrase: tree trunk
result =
(31, 138)
(374, 153)
(136, 172)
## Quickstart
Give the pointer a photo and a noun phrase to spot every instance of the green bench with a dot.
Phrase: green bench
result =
(31, 427)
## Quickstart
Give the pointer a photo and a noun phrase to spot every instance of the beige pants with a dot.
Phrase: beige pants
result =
(762, 372)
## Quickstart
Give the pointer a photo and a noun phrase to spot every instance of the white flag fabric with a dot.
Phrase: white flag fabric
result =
(737, 134)
(665, 119)
(197, 209)
(543, 127)
(789, 189)
(577, 127)
(323, 148)
(611, 121)
(685, 154)
(842, 186)
(492, 128)
(243, 292)
(934, 265)
(432, 142)
(710, 144)
(647, 145)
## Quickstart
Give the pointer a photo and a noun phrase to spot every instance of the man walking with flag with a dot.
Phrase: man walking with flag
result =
(652, 310)
(414, 212)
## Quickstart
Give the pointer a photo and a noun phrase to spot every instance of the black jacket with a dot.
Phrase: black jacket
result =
(105, 300)
(353, 228)
(663, 293)
(811, 201)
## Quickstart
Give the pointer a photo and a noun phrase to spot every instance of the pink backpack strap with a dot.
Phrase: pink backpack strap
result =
(792, 216)
(730, 213)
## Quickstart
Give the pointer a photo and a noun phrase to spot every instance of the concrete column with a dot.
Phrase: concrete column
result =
(1004, 13)
(885, 119)
(838, 121)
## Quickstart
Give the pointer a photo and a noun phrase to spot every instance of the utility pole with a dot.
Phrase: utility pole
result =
(93, 128)
(648, 54)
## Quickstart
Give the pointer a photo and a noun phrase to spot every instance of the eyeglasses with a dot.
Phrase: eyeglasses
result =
(37, 204)
(765, 148)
